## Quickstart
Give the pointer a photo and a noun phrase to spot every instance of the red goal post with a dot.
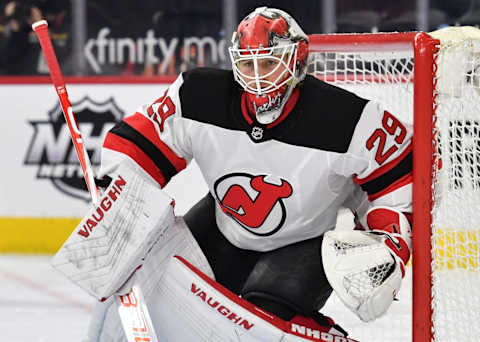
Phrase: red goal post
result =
(400, 70)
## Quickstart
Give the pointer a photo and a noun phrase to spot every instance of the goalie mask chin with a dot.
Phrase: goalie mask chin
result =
(269, 106)
(269, 59)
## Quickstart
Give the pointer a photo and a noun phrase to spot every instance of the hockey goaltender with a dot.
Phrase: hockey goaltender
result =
(257, 258)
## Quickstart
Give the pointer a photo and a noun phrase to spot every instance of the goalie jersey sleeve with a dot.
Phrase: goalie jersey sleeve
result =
(380, 158)
(153, 140)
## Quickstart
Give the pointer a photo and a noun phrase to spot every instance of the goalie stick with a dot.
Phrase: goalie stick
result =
(132, 309)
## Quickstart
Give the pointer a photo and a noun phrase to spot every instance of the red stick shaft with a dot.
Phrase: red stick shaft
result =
(41, 29)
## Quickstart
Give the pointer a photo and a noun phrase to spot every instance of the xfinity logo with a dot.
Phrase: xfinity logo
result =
(107, 50)
(51, 149)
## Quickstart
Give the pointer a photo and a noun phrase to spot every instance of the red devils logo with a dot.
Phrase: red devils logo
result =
(255, 202)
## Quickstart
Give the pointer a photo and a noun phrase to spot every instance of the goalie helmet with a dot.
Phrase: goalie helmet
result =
(269, 59)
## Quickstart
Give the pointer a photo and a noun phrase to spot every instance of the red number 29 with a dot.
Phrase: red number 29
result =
(161, 109)
(392, 127)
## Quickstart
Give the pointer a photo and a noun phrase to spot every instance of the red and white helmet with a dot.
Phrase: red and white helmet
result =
(271, 35)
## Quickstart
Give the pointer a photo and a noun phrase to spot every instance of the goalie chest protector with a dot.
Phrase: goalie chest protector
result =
(273, 185)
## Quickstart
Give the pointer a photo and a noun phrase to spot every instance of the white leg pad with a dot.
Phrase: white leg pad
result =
(186, 304)
(192, 307)
(105, 325)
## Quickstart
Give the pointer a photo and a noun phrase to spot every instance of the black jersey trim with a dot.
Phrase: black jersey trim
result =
(125, 131)
(384, 181)
(324, 117)
(206, 96)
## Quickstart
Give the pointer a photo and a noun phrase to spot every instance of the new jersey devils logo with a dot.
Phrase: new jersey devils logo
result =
(255, 202)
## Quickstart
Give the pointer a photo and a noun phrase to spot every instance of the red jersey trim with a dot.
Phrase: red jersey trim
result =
(405, 180)
(146, 127)
(116, 143)
(244, 109)
(385, 168)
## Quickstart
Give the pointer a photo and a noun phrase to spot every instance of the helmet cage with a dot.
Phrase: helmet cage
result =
(285, 55)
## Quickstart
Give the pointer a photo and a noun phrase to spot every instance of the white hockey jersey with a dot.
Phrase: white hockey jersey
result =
(273, 184)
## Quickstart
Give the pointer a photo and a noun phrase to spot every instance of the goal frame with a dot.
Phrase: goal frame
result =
(424, 51)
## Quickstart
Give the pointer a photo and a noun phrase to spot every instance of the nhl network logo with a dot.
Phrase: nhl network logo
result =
(51, 148)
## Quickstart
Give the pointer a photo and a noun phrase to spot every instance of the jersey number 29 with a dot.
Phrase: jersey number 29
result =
(392, 127)
(161, 109)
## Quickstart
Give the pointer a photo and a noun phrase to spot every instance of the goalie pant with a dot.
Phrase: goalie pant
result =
(186, 304)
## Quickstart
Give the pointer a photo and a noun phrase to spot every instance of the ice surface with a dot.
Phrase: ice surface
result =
(37, 304)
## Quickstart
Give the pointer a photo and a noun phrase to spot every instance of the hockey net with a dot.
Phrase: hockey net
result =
(433, 84)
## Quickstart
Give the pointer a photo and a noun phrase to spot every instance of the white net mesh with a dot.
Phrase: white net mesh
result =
(387, 77)
(456, 211)
(360, 285)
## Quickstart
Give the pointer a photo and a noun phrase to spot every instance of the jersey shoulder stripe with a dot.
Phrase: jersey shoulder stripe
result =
(116, 143)
(146, 127)
(129, 133)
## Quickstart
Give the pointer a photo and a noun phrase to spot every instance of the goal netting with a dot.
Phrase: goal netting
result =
(433, 84)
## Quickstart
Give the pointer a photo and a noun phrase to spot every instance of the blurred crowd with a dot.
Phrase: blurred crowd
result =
(19, 49)
(170, 22)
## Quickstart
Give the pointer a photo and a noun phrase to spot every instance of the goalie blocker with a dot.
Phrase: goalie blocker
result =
(112, 240)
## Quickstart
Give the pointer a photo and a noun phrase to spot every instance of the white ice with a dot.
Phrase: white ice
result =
(37, 304)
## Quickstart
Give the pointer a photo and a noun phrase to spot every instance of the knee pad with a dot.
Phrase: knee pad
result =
(105, 325)
(180, 242)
